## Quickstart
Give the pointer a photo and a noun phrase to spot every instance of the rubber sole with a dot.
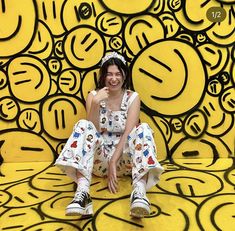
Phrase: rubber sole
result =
(139, 210)
(75, 211)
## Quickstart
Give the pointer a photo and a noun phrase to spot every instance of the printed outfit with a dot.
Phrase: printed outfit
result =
(89, 151)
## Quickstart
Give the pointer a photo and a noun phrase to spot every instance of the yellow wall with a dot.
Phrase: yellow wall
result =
(182, 65)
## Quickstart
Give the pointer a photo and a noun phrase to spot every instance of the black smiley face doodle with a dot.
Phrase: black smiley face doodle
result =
(223, 33)
(109, 24)
(28, 74)
(84, 47)
(116, 43)
(155, 68)
(69, 81)
(196, 19)
(140, 31)
(58, 50)
(215, 58)
(30, 119)
(64, 111)
(9, 108)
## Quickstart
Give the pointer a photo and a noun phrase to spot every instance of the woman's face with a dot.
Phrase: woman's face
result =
(114, 78)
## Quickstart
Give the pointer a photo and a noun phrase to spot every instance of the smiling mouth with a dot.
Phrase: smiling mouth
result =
(113, 84)
(15, 32)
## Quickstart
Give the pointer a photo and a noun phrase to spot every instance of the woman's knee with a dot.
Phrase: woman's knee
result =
(141, 127)
(84, 124)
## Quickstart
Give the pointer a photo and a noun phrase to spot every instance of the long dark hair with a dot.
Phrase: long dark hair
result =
(123, 68)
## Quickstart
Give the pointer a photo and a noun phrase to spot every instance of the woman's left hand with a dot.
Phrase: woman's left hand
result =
(112, 177)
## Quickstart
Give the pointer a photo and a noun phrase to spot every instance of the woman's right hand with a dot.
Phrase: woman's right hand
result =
(102, 94)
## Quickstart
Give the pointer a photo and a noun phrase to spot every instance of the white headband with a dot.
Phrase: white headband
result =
(112, 55)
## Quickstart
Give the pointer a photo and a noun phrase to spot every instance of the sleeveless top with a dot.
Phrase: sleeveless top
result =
(112, 123)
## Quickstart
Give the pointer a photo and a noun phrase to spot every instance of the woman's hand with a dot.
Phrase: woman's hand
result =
(112, 177)
(102, 94)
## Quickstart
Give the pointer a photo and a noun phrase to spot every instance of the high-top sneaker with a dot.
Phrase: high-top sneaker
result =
(80, 205)
(140, 205)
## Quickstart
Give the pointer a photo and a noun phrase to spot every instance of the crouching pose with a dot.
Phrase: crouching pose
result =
(111, 142)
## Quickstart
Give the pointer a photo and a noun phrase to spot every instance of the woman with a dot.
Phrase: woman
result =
(111, 142)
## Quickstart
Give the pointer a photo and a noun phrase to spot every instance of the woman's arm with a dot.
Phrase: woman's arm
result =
(93, 105)
(132, 121)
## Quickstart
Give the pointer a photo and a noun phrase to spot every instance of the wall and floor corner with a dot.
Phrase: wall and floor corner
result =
(182, 59)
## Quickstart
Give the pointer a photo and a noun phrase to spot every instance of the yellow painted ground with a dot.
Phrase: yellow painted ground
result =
(33, 196)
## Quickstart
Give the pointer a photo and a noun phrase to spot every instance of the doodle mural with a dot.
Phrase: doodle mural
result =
(182, 59)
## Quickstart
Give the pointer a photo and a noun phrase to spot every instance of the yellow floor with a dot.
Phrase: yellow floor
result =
(33, 196)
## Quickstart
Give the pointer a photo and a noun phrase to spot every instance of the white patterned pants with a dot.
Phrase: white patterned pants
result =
(86, 152)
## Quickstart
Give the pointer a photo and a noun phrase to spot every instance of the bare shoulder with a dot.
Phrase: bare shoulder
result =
(132, 95)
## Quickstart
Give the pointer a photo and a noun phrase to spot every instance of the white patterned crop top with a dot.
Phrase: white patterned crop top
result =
(115, 121)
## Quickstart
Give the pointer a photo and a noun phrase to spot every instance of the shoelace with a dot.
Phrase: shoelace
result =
(138, 193)
(80, 196)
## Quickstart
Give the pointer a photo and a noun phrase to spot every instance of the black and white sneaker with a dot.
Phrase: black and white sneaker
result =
(80, 205)
(140, 205)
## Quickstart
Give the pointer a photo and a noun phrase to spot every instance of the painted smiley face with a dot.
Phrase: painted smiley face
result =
(170, 24)
(69, 81)
(196, 19)
(29, 119)
(201, 154)
(219, 122)
(157, 69)
(116, 43)
(195, 124)
(227, 100)
(28, 74)
(215, 58)
(64, 112)
(84, 47)
(221, 208)
(32, 148)
(140, 31)
(223, 33)
(165, 209)
(17, 23)
(109, 24)
(9, 108)
(58, 50)
(191, 184)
